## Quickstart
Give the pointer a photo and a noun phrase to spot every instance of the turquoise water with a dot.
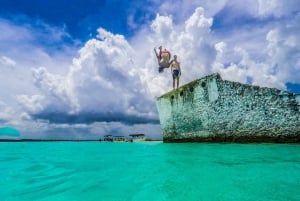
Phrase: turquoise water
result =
(148, 171)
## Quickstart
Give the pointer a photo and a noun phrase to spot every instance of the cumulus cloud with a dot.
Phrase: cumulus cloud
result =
(272, 60)
(277, 8)
(33, 103)
(57, 89)
(284, 49)
(103, 84)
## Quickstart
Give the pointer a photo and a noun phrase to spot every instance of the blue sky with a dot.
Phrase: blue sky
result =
(81, 18)
(83, 69)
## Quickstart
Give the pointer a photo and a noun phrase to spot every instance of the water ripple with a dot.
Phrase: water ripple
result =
(141, 171)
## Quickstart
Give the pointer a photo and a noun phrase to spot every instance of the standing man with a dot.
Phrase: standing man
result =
(175, 70)
(163, 58)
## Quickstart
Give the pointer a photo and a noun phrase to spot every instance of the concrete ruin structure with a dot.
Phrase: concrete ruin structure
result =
(210, 109)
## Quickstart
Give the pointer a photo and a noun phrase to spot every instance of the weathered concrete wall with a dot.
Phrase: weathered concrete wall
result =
(212, 109)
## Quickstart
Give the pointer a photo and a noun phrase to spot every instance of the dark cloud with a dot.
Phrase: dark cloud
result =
(3, 121)
(59, 117)
(69, 134)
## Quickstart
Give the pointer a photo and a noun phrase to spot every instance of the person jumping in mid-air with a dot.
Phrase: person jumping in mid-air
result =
(163, 58)
(175, 70)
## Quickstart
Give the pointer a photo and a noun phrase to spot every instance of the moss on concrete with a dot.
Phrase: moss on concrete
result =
(212, 109)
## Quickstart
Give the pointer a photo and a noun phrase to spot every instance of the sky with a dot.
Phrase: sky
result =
(84, 69)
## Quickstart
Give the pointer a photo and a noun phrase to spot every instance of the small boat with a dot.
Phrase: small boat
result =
(119, 138)
(108, 138)
(138, 137)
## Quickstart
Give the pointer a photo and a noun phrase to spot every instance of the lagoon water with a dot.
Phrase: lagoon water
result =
(88, 171)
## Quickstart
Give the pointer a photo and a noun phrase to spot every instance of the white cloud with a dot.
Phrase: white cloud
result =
(271, 59)
(163, 26)
(102, 80)
(7, 62)
(6, 113)
(104, 76)
(57, 89)
(277, 8)
(32, 104)
(284, 49)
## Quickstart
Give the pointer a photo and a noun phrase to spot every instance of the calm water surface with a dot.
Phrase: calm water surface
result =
(148, 171)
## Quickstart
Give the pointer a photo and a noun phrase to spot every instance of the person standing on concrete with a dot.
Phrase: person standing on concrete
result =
(175, 70)
(163, 58)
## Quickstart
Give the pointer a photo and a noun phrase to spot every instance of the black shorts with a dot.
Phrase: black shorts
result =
(175, 73)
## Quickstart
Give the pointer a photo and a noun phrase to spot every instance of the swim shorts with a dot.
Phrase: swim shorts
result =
(175, 73)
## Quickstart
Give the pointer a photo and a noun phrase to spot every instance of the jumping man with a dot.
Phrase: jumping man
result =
(163, 58)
